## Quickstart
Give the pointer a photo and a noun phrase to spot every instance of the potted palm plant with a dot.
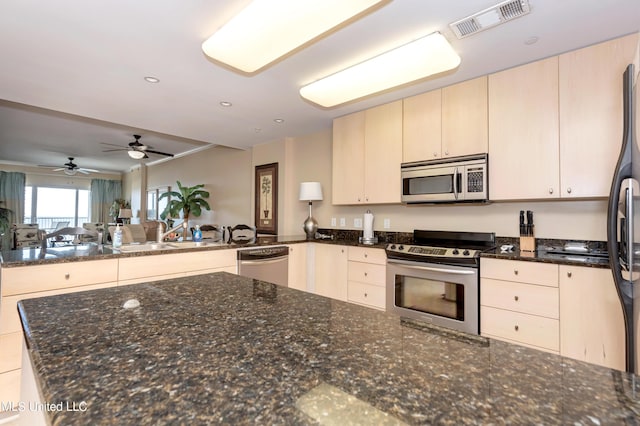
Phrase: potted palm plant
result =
(188, 200)
(5, 222)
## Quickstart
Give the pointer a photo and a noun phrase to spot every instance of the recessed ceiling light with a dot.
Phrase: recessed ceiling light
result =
(257, 130)
(226, 104)
(418, 59)
(150, 79)
(262, 32)
(531, 40)
(279, 120)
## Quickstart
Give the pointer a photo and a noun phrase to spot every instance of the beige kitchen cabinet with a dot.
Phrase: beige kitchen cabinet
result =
(139, 269)
(465, 118)
(298, 266)
(591, 115)
(367, 153)
(447, 122)
(519, 303)
(591, 319)
(422, 127)
(27, 282)
(523, 132)
(367, 277)
(330, 271)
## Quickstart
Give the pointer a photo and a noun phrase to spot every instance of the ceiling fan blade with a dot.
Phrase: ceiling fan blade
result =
(111, 144)
(159, 153)
(59, 169)
(83, 169)
(115, 149)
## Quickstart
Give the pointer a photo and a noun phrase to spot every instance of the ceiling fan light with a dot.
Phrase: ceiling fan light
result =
(136, 155)
(70, 172)
(413, 61)
(262, 32)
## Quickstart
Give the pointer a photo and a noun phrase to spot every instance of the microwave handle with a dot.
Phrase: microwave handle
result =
(455, 183)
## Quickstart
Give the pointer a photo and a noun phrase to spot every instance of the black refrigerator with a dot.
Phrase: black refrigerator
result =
(622, 213)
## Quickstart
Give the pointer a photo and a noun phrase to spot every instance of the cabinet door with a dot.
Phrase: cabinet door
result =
(523, 132)
(591, 116)
(421, 126)
(465, 118)
(591, 321)
(348, 159)
(330, 277)
(298, 266)
(383, 153)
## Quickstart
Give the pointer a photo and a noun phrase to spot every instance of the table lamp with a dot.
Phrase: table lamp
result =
(124, 214)
(310, 191)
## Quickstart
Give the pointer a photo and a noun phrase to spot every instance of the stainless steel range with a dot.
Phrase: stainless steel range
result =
(436, 277)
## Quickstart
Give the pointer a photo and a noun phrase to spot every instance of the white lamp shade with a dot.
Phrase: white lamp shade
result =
(124, 214)
(136, 155)
(310, 191)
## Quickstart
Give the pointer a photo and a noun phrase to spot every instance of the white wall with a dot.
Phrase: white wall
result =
(226, 174)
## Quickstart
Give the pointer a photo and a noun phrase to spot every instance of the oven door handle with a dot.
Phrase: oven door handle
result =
(431, 269)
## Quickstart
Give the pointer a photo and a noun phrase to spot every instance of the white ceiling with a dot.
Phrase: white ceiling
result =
(72, 71)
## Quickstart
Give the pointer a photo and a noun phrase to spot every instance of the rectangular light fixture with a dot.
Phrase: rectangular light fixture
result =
(266, 30)
(413, 61)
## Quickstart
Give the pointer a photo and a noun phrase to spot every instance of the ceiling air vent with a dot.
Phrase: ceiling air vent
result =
(490, 17)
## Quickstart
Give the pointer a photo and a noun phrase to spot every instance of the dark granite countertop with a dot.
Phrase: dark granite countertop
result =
(223, 349)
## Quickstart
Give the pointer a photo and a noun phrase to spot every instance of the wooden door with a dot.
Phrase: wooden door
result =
(422, 127)
(465, 118)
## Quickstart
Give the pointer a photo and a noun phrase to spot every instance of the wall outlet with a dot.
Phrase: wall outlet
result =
(357, 222)
(343, 221)
(334, 222)
(386, 223)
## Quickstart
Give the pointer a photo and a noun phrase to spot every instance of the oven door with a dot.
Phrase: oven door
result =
(444, 295)
(431, 184)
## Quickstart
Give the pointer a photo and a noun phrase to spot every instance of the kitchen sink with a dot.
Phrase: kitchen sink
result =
(126, 248)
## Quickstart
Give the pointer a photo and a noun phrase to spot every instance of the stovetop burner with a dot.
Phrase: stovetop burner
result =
(445, 247)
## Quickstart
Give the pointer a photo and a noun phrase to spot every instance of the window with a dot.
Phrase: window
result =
(50, 207)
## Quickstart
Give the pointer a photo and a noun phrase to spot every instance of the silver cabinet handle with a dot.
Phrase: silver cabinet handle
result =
(67, 276)
(516, 328)
(446, 152)
(569, 190)
(516, 298)
(569, 274)
(515, 271)
(435, 154)
(550, 190)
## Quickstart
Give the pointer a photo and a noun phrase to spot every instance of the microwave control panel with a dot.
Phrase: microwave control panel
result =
(475, 179)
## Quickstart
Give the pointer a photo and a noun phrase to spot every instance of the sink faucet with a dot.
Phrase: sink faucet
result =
(160, 236)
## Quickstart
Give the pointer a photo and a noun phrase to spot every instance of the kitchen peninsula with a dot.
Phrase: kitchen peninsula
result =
(219, 348)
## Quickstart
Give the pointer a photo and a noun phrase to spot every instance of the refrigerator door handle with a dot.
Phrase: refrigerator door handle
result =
(629, 227)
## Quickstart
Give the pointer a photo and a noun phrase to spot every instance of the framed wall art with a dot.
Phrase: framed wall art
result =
(266, 214)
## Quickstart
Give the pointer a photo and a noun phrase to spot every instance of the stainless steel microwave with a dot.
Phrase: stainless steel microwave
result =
(450, 180)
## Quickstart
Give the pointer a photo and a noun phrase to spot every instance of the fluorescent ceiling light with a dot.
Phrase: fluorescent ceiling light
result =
(136, 155)
(266, 30)
(413, 61)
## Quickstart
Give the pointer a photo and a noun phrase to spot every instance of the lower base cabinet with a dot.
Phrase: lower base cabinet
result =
(367, 275)
(570, 310)
(330, 271)
(298, 266)
(591, 319)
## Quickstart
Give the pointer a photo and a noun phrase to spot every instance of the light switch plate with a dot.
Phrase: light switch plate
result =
(333, 221)
(386, 223)
(357, 222)
(343, 221)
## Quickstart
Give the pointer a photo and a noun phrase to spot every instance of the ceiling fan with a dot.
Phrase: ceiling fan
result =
(72, 168)
(136, 149)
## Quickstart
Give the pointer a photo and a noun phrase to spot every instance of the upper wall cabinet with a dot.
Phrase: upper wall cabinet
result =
(591, 115)
(523, 132)
(367, 152)
(446, 122)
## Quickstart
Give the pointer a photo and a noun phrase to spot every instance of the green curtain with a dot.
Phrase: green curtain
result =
(103, 193)
(12, 196)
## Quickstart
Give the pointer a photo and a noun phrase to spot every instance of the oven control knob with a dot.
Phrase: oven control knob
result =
(393, 247)
(455, 251)
(401, 247)
(465, 253)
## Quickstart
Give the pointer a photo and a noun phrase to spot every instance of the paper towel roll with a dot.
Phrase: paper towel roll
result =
(368, 226)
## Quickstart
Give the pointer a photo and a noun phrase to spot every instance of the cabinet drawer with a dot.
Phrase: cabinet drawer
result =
(9, 318)
(525, 298)
(30, 279)
(367, 273)
(366, 294)
(369, 255)
(523, 328)
(520, 271)
(10, 351)
(178, 263)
